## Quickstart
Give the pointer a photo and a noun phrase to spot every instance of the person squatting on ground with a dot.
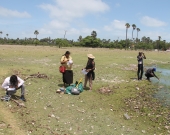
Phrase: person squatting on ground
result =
(150, 73)
(90, 67)
(16, 83)
(140, 58)
(66, 61)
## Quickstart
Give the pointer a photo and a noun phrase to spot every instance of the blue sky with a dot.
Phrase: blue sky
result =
(20, 18)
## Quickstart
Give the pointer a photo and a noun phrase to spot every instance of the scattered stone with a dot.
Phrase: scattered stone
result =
(143, 131)
(126, 116)
(2, 125)
(137, 88)
(105, 90)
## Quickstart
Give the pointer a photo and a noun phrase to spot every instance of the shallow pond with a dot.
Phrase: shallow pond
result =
(163, 92)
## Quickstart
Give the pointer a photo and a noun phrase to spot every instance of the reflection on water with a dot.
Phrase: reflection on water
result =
(163, 85)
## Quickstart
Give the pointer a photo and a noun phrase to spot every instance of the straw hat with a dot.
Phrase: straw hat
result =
(90, 56)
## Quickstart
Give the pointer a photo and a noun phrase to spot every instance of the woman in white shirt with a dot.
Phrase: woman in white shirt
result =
(12, 84)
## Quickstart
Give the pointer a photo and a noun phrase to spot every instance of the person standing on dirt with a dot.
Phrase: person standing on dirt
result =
(150, 73)
(90, 67)
(140, 58)
(12, 84)
(66, 61)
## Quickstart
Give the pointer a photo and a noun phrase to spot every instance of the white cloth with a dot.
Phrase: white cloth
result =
(6, 82)
(70, 62)
(84, 71)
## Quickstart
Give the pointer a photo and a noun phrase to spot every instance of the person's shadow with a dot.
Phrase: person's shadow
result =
(86, 88)
(134, 78)
(15, 97)
(60, 85)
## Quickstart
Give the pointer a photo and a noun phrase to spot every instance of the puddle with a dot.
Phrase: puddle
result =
(163, 92)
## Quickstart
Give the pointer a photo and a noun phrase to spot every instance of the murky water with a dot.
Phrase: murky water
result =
(163, 85)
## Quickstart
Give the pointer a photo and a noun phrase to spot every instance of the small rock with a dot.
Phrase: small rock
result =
(137, 88)
(143, 131)
(126, 116)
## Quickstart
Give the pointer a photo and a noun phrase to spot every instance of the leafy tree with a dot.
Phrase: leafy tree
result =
(90, 41)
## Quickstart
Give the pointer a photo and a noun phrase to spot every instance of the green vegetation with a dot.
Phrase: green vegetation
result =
(92, 41)
(47, 112)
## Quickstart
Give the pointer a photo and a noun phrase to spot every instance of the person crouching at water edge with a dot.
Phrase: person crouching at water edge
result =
(140, 58)
(12, 84)
(150, 73)
(90, 67)
(67, 62)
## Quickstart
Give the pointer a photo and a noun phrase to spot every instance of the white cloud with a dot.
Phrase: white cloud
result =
(58, 24)
(70, 9)
(64, 14)
(13, 13)
(116, 24)
(152, 22)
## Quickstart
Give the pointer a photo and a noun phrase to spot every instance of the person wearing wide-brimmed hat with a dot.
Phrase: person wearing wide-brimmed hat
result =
(90, 67)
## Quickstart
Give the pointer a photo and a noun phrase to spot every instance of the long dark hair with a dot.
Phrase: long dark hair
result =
(90, 61)
(67, 52)
(14, 80)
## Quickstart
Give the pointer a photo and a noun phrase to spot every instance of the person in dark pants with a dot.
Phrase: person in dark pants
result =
(150, 73)
(66, 61)
(140, 58)
(90, 67)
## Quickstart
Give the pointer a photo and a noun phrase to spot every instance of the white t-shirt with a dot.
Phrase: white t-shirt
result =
(6, 83)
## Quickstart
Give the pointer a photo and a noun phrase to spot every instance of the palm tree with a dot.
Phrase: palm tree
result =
(80, 38)
(148, 40)
(137, 32)
(159, 37)
(7, 35)
(94, 34)
(134, 27)
(127, 26)
(36, 33)
(1, 33)
(65, 34)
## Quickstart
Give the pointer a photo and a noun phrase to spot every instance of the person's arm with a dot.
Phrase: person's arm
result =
(5, 84)
(144, 56)
(155, 75)
(93, 68)
(20, 81)
(63, 60)
(93, 63)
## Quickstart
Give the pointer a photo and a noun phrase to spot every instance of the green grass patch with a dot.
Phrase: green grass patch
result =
(91, 112)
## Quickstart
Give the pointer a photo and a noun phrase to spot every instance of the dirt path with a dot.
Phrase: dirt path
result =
(8, 118)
